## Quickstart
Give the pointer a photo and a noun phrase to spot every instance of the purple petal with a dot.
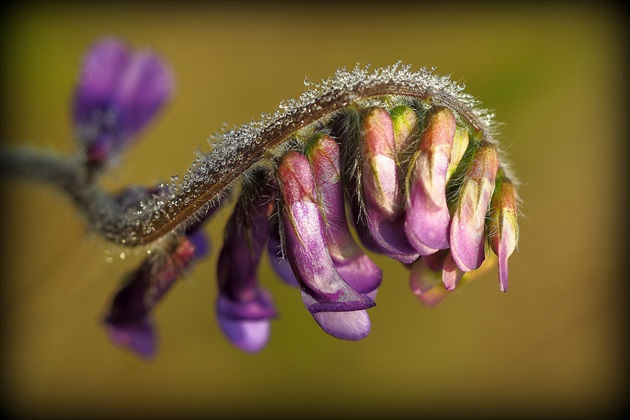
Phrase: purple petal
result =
(353, 325)
(468, 224)
(428, 219)
(352, 264)
(323, 290)
(101, 68)
(382, 188)
(145, 85)
(139, 337)
(248, 335)
(247, 324)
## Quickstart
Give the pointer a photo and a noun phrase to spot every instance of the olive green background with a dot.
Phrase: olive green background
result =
(555, 344)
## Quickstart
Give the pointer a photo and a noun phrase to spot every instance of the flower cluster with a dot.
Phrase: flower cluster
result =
(414, 178)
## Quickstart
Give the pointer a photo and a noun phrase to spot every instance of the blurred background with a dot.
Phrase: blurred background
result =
(555, 345)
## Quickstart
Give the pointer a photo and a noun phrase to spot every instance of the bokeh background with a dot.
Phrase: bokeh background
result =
(555, 345)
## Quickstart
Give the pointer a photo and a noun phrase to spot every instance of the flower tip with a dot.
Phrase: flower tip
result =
(139, 337)
(353, 325)
(250, 336)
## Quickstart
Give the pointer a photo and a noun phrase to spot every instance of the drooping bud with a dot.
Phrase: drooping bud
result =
(244, 308)
(381, 186)
(428, 219)
(118, 93)
(128, 318)
(503, 225)
(323, 290)
(351, 262)
(467, 227)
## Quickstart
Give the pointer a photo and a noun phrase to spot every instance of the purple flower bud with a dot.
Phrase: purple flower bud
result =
(128, 318)
(117, 95)
(352, 264)
(503, 226)
(323, 290)
(428, 219)
(243, 308)
(382, 188)
(467, 227)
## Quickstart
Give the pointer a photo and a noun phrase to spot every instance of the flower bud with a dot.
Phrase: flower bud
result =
(503, 226)
(351, 262)
(323, 290)
(128, 318)
(244, 309)
(428, 219)
(467, 227)
(381, 186)
(117, 95)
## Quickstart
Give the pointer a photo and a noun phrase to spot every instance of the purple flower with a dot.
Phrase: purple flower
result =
(351, 262)
(323, 289)
(128, 320)
(243, 307)
(118, 93)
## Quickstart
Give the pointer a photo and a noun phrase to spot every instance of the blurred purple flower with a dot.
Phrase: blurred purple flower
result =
(117, 94)
(128, 320)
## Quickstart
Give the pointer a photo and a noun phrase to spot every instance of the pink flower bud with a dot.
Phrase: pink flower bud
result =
(467, 228)
(428, 219)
